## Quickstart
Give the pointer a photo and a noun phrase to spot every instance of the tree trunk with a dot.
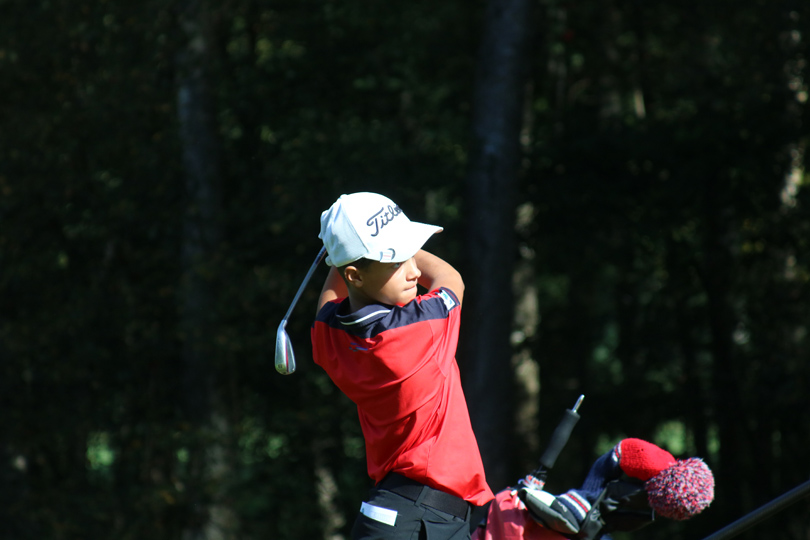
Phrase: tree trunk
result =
(491, 193)
(728, 405)
(207, 463)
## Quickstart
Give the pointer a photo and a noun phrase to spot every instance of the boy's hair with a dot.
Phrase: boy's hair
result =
(361, 264)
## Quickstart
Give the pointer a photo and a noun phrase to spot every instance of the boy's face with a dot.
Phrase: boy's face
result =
(386, 283)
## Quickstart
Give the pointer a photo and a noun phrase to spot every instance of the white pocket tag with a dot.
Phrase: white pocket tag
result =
(383, 515)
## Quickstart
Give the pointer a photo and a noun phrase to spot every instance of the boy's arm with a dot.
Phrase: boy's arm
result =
(333, 288)
(438, 273)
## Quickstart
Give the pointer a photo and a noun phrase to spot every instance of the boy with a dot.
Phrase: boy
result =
(392, 352)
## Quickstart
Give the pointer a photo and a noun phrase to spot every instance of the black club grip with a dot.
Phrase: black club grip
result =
(559, 438)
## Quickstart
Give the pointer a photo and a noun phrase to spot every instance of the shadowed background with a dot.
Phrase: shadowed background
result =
(622, 184)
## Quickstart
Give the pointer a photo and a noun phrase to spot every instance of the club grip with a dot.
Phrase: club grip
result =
(559, 438)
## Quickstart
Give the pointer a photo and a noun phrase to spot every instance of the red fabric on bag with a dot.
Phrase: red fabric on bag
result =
(508, 519)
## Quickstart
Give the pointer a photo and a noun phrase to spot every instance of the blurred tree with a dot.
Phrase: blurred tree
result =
(210, 460)
(495, 163)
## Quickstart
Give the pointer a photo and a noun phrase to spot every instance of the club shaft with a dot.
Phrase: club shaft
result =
(763, 512)
(304, 283)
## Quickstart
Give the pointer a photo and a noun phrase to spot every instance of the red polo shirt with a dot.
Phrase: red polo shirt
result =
(397, 364)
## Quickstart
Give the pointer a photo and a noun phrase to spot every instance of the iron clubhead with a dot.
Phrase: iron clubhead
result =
(285, 358)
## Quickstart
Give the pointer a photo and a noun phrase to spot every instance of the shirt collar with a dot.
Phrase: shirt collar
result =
(363, 316)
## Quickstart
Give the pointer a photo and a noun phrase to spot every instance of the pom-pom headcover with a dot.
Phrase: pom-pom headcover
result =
(676, 489)
(682, 490)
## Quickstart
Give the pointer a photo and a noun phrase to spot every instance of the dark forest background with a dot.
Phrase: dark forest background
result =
(623, 185)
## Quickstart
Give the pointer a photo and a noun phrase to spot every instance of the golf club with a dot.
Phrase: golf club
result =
(285, 358)
(537, 479)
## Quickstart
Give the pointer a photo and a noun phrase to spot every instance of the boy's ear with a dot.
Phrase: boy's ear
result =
(353, 276)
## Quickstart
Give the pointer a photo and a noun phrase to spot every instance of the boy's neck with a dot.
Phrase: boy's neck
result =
(357, 303)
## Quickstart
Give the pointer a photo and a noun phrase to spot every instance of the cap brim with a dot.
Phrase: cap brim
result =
(418, 235)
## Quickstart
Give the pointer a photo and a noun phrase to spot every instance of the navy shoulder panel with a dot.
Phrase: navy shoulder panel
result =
(377, 318)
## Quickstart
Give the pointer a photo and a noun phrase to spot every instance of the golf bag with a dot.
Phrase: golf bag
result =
(622, 506)
(625, 489)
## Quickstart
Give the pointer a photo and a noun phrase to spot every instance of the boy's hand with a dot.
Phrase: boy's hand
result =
(438, 273)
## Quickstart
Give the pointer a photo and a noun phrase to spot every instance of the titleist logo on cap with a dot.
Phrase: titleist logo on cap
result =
(382, 218)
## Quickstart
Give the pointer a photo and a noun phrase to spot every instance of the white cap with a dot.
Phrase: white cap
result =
(370, 226)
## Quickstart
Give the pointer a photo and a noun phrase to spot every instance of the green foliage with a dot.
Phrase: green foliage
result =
(660, 193)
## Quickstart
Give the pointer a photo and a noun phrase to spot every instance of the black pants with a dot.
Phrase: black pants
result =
(387, 515)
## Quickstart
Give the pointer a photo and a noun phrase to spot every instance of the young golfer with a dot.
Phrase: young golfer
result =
(392, 352)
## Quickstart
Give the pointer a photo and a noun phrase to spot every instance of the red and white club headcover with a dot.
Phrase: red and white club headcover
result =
(641, 459)
(676, 489)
